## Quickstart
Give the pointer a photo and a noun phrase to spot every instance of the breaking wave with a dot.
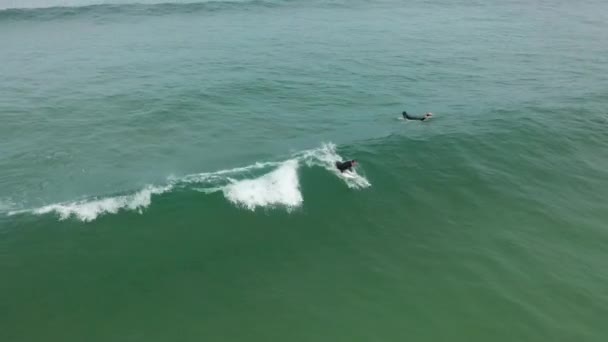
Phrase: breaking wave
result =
(260, 185)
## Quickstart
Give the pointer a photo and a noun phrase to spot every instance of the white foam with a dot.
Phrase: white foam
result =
(222, 175)
(89, 210)
(280, 187)
(326, 157)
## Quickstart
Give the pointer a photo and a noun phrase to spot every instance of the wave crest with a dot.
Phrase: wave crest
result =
(89, 210)
(279, 187)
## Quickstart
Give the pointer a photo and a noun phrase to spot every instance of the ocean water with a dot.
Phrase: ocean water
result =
(166, 170)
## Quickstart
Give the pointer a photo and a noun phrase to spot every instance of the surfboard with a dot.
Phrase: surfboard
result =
(349, 174)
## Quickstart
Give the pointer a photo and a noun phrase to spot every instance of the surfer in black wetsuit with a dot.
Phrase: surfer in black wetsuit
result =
(425, 117)
(347, 165)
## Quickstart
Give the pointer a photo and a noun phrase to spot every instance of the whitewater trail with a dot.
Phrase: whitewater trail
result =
(279, 187)
(89, 210)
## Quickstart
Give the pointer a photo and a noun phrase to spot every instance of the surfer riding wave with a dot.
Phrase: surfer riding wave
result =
(346, 166)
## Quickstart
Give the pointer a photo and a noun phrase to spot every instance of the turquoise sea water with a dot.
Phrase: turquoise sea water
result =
(166, 171)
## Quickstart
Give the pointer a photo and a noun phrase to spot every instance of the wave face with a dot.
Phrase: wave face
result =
(278, 186)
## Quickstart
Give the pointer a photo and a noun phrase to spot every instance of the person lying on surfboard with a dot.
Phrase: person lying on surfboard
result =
(425, 117)
(347, 165)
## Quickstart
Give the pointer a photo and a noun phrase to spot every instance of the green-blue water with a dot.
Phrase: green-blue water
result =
(166, 171)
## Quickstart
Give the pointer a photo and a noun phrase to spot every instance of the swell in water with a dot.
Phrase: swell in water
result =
(36, 4)
(260, 185)
(56, 9)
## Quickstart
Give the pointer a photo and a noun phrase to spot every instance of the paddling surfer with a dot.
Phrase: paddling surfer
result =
(425, 117)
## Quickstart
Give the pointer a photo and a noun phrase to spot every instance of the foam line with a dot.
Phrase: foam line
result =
(279, 187)
(89, 210)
